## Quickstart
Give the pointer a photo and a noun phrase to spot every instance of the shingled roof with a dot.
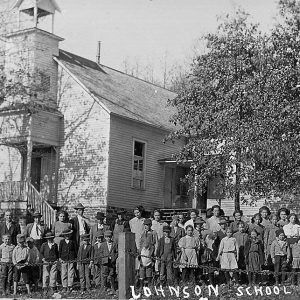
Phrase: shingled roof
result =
(120, 93)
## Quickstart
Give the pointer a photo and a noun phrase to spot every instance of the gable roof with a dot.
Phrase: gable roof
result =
(120, 93)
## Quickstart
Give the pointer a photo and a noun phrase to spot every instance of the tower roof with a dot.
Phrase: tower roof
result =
(46, 6)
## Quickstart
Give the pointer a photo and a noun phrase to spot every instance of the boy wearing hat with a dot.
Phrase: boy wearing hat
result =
(20, 259)
(280, 254)
(99, 227)
(67, 254)
(34, 259)
(147, 248)
(96, 258)
(108, 253)
(166, 250)
(49, 255)
(198, 224)
(36, 230)
(6, 250)
(84, 258)
(79, 225)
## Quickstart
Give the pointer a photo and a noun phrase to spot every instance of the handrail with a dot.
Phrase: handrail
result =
(38, 204)
(11, 190)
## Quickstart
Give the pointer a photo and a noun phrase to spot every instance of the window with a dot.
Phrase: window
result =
(138, 168)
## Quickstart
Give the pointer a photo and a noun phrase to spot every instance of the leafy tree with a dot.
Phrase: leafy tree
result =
(239, 109)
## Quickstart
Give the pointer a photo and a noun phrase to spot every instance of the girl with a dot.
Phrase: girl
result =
(189, 246)
(59, 226)
(264, 211)
(292, 230)
(238, 214)
(280, 254)
(228, 255)
(296, 261)
(193, 216)
(213, 222)
(269, 237)
(254, 256)
(256, 224)
(282, 215)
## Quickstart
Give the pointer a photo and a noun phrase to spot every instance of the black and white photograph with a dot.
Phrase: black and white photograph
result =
(150, 149)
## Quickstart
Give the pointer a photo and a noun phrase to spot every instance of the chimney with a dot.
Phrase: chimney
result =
(98, 57)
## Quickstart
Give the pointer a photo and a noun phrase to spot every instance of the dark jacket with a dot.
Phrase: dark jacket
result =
(95, 232)
(178, 235)
(48, 254)
(13, 231)
(67, 251)
(75, 226)
(85, 254)
(96, 254)
(160, 249)
(260, 251)
(108, 256)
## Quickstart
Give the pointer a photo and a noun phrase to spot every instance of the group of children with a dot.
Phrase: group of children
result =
(215, 249)
(27, 261)
(204, 250)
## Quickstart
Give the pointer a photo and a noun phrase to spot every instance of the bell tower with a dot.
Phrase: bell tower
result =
(30, 49)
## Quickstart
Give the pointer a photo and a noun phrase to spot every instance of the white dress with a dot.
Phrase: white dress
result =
(188, 258)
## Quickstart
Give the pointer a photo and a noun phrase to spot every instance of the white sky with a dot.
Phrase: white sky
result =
(144, 30)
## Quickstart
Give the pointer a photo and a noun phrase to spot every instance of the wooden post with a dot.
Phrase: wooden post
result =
(194, 202)
(126, 272)
(28, 168)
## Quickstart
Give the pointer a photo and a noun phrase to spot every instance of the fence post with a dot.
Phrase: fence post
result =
(126, 271)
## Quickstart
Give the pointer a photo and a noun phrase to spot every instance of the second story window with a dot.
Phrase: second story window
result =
(138, 169)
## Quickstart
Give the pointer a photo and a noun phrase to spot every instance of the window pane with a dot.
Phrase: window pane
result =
(141, 165)
(135, 165)
(139, 149)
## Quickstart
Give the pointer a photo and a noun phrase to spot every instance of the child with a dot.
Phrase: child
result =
(67, 253)
(34, 259)
(238, 214)
(256, 224)
(108, 253)
(20, 258)
(264, 212)
(228, 255)
(280, 254)
(49, 255)
(241, 238)
(121, 225)
(198, 224)
(6, 250)
(282, 215)
(181, 220)
(254, 256)
(221, 233)
(166, 250)
(96, 259)
(292, 230)
(177, 233)
(295, 248)
(84, 262)
(189, 246)
(147, 248)
(269, 237)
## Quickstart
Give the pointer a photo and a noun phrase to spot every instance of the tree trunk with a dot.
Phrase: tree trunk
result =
(237, 187)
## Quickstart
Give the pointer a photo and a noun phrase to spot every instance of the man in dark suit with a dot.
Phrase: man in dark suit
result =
(109, 253)
(9, 227)
(36, 230)
(79, 225)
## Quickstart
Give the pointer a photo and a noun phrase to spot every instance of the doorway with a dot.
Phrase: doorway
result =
(36, 167)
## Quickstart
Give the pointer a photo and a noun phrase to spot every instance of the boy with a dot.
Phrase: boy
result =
(84, 262)
(166, 250)
(96, 258)
(6, 250)
(108, 253)
(280, 253)
(33, 260)
(67, 253)
(241, 238)
(20, 259)
(49, 254)
(146, 249)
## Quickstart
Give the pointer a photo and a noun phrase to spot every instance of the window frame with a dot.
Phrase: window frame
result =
(143, 187)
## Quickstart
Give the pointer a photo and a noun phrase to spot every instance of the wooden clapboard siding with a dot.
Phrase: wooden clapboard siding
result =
(228, 206)
(120, 192)
(83, 168)
(47, 128)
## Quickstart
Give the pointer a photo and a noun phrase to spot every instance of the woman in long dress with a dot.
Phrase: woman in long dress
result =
(189, 246)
